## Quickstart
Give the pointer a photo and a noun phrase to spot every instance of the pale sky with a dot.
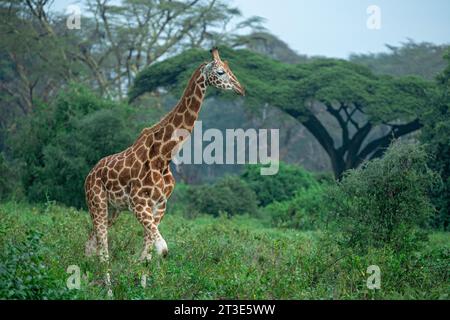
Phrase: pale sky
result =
(336, 28)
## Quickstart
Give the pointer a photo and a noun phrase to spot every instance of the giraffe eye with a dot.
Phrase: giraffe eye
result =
(220, 72)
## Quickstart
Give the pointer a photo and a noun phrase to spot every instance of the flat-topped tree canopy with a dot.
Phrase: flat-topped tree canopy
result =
(172, 74)
(358, 99)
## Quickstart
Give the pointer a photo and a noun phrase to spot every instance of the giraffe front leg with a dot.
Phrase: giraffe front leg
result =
(144, 215)
(91, 245)
(160, 243)
(149, 211)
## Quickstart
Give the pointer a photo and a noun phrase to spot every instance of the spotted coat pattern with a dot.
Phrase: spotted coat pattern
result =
(139, 178)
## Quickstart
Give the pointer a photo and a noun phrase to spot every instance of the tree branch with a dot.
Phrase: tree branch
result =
(378, 146)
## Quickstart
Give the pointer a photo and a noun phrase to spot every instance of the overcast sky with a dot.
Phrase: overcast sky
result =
(336, 28)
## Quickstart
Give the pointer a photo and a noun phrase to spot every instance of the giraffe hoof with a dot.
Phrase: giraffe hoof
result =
(161, 247)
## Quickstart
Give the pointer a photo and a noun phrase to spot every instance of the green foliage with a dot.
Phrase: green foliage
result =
(385, 202)
(224, 258)
(252, 70)
(292, 86)
(230, 195)
(9, 185)
(60, 143)
(279, 187)
(420, 59)
(179, 199)
(435, 135)
(23, 272)
(349, 93)
(306, 210)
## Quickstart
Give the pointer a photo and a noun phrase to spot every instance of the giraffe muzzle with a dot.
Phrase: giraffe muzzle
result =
(239, 90)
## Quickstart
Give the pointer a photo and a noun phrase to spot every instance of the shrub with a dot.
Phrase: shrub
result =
(229, 195)
(24, 274)
(279, 187)
(9, 185)
(385, 202)
(435, 134)
(306, 210)
(61, 142)
(179, 199)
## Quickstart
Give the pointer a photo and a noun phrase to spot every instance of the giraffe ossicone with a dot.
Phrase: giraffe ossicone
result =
(139, 178)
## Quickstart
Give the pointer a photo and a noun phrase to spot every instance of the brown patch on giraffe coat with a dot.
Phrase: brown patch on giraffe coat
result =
(138, 200)
(182, 106)
(159, 134)
(149, 141)
(198, 92)
(119, 165)
(112, 174)
(124, 176)
(177, 120)
(168, 132)
(130, 160)
(143, 172)
(141, 153)
(157, 163)
(195, 105)
(189, 119)
(135, 169)
(109, 184)
(154, 150)
(115, 186)
(155, 176)
(167, 149)
(98, 173)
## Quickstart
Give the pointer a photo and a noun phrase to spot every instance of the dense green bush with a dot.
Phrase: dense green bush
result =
(179, 199)
(24, 274)
(306, 210)
(385, 202)
(230, 195)
(9, 186)
(59, 143)
(279, 187)
(220, 258)
(435, 135)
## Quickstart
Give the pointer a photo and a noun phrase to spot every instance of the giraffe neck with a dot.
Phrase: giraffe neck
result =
(186, 112)
(178, 122)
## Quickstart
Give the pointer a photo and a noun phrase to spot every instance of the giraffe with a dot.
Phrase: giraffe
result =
(139, 178)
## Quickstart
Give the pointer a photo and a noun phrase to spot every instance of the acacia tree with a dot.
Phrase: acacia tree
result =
(423, 59)
(39, 54)
(360, 103)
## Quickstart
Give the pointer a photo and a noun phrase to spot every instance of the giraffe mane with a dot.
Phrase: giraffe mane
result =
(167, 118)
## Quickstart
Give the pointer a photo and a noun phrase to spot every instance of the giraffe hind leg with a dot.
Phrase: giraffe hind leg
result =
(113, 216)
(91, 243)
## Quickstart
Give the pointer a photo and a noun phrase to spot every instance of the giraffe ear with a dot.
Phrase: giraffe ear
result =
(215, 53)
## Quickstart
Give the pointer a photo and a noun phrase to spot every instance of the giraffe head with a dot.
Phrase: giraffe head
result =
(219, 74)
